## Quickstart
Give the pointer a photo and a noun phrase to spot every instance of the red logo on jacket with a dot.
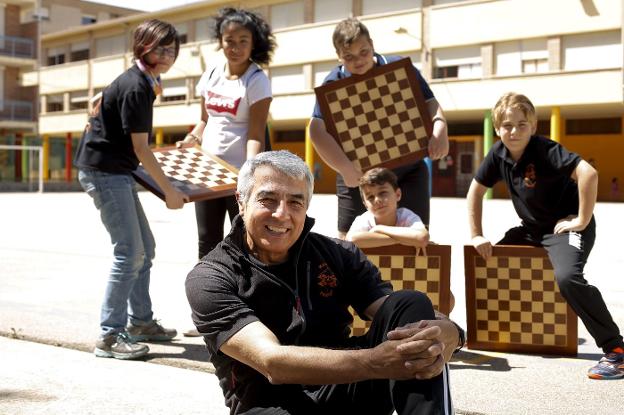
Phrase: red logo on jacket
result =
(220, 103)
(326, 281)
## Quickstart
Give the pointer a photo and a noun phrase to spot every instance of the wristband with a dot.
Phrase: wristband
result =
(438, 118)
(462, 338)
(194, 137)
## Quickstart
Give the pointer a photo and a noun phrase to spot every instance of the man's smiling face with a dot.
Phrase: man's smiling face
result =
(274, 214)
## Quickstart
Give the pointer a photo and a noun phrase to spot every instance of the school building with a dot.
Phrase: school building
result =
(566, 55)
(22, 23)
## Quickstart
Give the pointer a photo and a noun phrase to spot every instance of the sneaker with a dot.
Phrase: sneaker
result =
(152, 331)
(191, 333)
(119, 346)
(611, 366)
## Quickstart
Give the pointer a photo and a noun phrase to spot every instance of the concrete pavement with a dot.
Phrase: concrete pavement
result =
(54, 258)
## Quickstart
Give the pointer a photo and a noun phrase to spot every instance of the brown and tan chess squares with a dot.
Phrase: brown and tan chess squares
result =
(513, 303)
(400, 265)
(194, 172)
(380, 118)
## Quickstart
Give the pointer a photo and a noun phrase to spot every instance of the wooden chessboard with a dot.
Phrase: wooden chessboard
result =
(399, 264)
(513, 303)
(192, 171)
(380, 119)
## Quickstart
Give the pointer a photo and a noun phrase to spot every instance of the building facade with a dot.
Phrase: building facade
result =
(22, 22)
(566, 55)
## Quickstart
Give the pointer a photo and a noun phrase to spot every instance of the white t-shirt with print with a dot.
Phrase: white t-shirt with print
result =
(405, 219)
(227, 103)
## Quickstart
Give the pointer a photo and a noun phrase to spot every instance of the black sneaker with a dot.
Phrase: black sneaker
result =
(152, 331)
(119, 346)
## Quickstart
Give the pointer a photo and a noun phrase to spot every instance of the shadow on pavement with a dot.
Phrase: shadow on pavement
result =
(472, 360)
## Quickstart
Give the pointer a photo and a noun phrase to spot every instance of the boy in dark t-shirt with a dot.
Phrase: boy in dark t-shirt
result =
(554, 193)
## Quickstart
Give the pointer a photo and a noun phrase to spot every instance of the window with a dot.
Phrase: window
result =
(594, 126)
(290, 136)
(79, 55)
(204, 29)
(534, 65)
(377, 6)
(41, 14)
(325, 10)
(54, 103)
(195, 82)
(461, 62)
(287, 14)
(465, 163)
(287, 79)
(56, 59)
(592, 51)
(86, 19)
(523, 56)
(79, 51)
(174, 90)
(321, 70)
(415, 57)
(55, 56)
(446, 72)
(107, 46)
(78, 100)
(182, 29)
(438, 2)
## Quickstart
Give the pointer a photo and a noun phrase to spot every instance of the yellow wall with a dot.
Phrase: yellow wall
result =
(602, 149)
(606, 151)
(327, 182)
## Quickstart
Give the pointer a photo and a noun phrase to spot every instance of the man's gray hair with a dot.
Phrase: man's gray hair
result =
(283, 161)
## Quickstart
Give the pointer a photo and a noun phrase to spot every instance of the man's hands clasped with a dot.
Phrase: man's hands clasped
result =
(415, 351)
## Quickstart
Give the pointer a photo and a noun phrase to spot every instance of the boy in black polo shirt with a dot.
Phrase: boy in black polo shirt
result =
(554, 193)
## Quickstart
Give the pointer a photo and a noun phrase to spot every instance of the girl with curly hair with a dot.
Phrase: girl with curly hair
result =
(235, 100)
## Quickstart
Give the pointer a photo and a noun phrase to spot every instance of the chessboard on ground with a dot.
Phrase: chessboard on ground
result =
(194, 172)
(399, 264)
(380, 119)
(513, 303)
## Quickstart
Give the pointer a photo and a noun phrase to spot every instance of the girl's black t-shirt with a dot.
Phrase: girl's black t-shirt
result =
(126, 107)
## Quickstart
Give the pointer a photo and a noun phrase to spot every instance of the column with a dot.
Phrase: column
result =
(25, 165)
(309, 148)
(68, 157)
(45, 141)
(18, 159)
(159, 137)
(555, 124)
(488, 140)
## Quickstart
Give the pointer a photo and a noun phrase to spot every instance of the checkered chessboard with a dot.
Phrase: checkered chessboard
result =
(192, 171)
(380, 119)
(513, 303)
(406, 271)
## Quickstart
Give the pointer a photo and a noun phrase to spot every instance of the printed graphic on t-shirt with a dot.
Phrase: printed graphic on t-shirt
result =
(530, 178)
(219, 103)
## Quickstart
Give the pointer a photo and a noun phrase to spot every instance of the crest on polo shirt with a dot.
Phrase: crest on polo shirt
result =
(326, 280)
(222, 104)
(530, 178)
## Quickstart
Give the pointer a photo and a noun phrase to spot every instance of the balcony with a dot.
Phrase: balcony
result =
(17, 47)
(16, 110)
(17, 51)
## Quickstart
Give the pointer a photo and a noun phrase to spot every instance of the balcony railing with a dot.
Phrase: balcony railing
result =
(17, 47)
(16, 111)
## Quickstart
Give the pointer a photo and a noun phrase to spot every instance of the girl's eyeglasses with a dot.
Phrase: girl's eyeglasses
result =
(161, 51)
